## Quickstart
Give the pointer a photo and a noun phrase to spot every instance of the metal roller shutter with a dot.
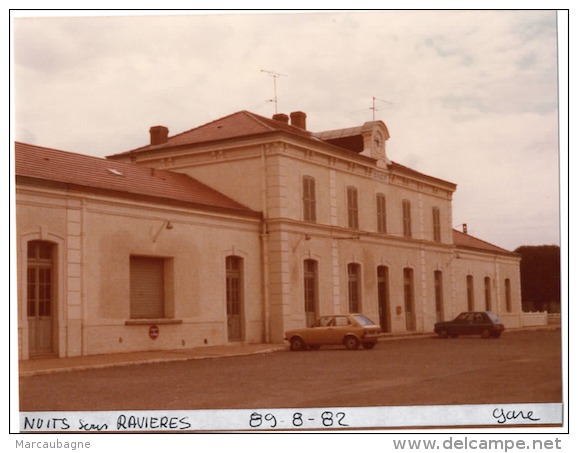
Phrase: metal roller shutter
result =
(147, 287)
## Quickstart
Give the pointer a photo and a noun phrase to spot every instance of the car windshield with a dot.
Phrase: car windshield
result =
(364, 320)
(465, 317)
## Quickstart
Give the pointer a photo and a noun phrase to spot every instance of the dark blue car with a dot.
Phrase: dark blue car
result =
(483, 323)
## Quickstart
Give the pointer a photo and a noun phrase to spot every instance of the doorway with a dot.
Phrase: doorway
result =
(409, 302)
(234, 266)
(40, 286)
(439, 295)
(310, 287)
(383, 298)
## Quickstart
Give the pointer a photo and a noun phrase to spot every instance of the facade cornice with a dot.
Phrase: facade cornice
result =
(325, 231)
(283, 143)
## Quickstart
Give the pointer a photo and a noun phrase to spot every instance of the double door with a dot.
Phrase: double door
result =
(40, 298)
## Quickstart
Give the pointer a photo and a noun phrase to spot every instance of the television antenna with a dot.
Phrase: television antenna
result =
(275, 76)
(374, 108)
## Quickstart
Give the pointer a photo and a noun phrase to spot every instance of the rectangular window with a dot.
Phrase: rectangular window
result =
(147, 287)
(352, 208)
(353, 279)
(488, 292)
(470, 290)
(406, 216)
(437, 231)
(508, 295)
(309, 200)
(381, 213)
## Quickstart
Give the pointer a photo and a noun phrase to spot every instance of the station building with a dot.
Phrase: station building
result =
(236, 231)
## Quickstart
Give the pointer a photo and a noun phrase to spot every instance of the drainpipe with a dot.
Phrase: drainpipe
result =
(265, 248)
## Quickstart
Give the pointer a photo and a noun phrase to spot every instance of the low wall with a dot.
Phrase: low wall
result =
(554, 319)
(534, 318)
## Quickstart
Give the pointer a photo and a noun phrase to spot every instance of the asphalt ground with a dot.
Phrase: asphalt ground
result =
(521, 367)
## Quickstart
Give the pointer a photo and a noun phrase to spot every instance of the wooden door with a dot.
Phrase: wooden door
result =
(234, 298)
(40, 297)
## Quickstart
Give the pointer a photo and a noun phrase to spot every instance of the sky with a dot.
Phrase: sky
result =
(470, 97)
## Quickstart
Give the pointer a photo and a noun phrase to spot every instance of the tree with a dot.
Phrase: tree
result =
(540, 276)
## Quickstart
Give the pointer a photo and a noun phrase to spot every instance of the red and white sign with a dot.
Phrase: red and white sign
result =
(153, 332)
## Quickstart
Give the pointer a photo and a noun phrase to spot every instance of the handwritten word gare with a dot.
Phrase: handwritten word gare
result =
(503, 416)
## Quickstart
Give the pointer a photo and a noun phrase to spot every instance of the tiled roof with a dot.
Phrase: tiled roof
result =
(470, 242)
(245, 124)
(235, 125)
(410, 171)
(130, 179)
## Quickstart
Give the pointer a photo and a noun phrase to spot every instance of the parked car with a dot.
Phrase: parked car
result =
(349, 330)
(484, 323)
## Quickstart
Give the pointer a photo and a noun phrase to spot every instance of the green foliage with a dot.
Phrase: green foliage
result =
(540, 275)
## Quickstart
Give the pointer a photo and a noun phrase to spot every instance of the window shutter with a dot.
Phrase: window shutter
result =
(309, 201)
(147, 287)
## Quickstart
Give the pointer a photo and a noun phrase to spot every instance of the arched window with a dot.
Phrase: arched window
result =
(508, 289)
(488, 292)
(439, 295)
(470, 292)
(383, 301)
(409, 299)
(310, 295)
(354, 287)
(40, 286)
(234, 282)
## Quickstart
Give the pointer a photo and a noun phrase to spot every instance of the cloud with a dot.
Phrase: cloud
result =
(471, 94)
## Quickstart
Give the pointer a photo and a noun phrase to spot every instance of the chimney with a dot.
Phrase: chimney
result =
(281, 117)
(298, 120)
(159, 135)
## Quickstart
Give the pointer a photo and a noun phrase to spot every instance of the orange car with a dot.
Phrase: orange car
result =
(350, 330)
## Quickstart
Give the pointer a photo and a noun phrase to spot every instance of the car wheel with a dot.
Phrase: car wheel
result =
(297, 344)
(486, 333)
(351, 342)
(496, 334)
(443, 333)
(369, 344)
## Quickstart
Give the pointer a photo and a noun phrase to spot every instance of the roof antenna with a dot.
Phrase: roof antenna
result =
(275, 75)
(373, 105)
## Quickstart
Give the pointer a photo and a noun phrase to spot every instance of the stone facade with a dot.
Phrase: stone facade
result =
(326, 223)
